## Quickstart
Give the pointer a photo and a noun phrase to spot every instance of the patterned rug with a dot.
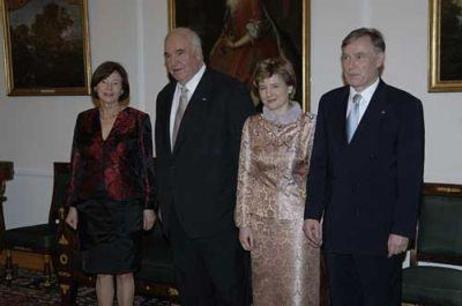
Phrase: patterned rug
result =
(27, 290)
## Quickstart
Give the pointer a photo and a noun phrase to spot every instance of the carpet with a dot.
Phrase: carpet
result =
(27, 290)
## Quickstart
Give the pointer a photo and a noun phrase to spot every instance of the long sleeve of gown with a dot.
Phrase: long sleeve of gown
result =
(76, 167)
(244, 183)
(148, 163)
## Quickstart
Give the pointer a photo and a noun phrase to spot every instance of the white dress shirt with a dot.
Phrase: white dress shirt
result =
(366, 96)
(191, 85)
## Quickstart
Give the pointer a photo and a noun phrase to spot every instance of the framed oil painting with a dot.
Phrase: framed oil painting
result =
(46, 47)
(236, 34)
(445, 72)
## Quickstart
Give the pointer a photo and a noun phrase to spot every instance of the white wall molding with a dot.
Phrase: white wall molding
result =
(32, 172)
(140, 50)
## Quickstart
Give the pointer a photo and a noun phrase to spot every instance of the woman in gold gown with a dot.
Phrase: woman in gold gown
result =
(273, 167)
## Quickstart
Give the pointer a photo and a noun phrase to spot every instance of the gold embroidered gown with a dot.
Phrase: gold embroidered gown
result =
(273, 168)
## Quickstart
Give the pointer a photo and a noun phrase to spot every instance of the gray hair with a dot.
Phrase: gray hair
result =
(191, 35)
(374, 34)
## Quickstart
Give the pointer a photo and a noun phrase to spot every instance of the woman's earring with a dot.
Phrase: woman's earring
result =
(290, 91)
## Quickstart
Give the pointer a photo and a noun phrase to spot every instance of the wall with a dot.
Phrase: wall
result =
(405, 27)
(35, 131)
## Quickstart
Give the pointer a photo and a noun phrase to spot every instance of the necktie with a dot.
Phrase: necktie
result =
(353, 118)
(180, 112)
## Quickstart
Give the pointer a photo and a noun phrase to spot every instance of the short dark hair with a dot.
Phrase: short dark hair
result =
(374, 34)
(106, 69)
(271, 66)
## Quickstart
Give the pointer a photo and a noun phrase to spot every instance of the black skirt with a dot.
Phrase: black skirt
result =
(110, 235)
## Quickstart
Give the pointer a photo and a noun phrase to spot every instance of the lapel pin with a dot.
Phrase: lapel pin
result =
(383, 112)
(204, 99)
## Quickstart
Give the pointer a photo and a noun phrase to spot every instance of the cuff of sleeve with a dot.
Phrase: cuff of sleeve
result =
(150, 204)
(243, 223)
(405, 232)
(311, 214)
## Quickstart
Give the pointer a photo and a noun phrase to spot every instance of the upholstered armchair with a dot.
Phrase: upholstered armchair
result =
(439, 241)
(6, 174)
(38, 239)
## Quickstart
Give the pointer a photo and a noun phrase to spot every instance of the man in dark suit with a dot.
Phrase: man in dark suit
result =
(365, 177)
(198, 127)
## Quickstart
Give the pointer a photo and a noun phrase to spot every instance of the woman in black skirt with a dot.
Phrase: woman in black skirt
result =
(111, 190)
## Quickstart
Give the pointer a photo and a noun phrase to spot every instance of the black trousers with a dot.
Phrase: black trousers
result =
(211, 270)
(364, 280)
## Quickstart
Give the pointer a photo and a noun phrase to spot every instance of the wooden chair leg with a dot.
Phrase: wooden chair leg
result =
(47, 271)
(66, 282)
(68, 292)
(8, 267)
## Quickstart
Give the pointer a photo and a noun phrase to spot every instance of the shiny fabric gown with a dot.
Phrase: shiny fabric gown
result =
(273, 167)
(111, 184)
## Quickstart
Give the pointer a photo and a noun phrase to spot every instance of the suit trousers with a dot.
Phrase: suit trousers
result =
(209, 270)
(364, 280)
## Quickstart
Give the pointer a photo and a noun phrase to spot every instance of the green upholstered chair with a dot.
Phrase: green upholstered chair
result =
(439, 240)
(157, 275)
(6, 174)
(41, 238)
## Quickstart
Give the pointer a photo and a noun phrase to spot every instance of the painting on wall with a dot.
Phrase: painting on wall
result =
(236, 34)
(445, 73)
(46, 44)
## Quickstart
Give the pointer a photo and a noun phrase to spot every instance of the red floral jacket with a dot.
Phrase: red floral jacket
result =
(117, 168)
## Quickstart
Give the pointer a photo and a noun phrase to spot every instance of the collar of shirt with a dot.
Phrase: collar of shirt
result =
(366, 96)
(191, 85)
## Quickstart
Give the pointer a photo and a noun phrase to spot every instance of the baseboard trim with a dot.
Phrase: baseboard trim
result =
(32, 172)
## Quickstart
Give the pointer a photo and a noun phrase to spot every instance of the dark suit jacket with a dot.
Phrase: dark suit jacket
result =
(371, 187)
(198, 180)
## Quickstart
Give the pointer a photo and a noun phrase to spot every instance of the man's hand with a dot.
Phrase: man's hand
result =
(397, 244)
(313, 232)
(246, 238)
(149, 218)
(72, 218)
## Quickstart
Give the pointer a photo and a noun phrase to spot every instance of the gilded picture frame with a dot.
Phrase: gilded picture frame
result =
(288, 22)
(445, 67)
(46, 47)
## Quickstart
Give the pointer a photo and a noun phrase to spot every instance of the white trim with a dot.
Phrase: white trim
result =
(31, 172)
(434, 264)
(140, 46)
(446, 178)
